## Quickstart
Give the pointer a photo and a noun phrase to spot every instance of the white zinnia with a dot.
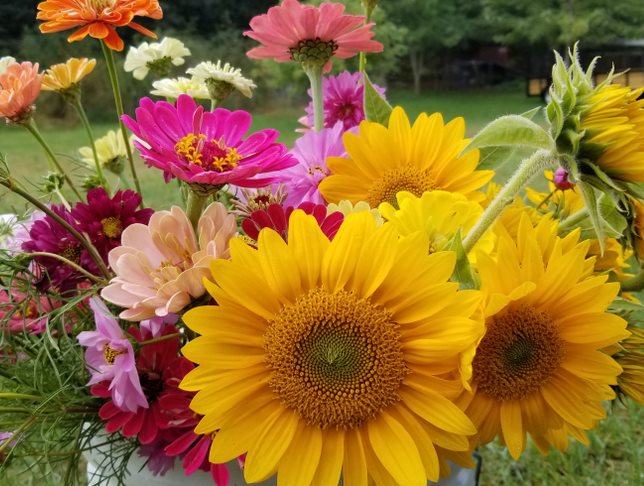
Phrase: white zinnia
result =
(208, 71)
(140, 59)
(110, 149)
(172, 88)
(4, 63)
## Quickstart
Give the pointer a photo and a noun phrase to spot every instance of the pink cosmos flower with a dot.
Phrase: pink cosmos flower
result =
(110, 358)
(19, 87)
(343, 101)
(160, 266)
(311, 151)
(277, 217)
(206, 147)
(292, 31)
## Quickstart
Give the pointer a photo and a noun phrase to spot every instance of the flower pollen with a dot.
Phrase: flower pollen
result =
(335, 359)
(110, 354)
(212, 155)
(405, 178)
(520, 352)
(112, 227)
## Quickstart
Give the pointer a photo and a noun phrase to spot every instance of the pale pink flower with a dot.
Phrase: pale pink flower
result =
(160, 266)
(293, 31)
(19, 87)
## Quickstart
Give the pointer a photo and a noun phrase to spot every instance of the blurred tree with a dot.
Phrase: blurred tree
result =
(557, 24)
(15, 16)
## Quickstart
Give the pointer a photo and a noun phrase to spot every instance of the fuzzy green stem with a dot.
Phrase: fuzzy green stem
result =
(634, 284)
(160, 339)
(530, 167)
(88, 129)
(573, 220)
(91, 249)
(33, 129)
(118, 102)
(314, 73)
(195, 206)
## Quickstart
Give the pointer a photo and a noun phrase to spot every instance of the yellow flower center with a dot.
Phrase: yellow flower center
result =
(71, 253)
(335, 359)
(521, 350)
(212, 155)
(112, 227)
(405, 178)
(110, 354)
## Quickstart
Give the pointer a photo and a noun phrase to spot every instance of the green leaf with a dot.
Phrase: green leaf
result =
(613, 220)
(463, 273)
(376, 108)
(590, 200)
(512, 130)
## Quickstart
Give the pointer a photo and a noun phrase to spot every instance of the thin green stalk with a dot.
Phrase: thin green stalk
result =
(196, 203)
(530, 167)
(160, 339)
(213, 104)
(314, 74)
(573, 220)
(33, 129)
(67, 262)
(118, 102)
(88, 129)
(91, 249)
(368, 11)
(17, 432)
(634, 284)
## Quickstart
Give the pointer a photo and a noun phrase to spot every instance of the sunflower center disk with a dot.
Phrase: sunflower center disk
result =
(335, 359)
(212, 155)
(519, 353)
(405, 178)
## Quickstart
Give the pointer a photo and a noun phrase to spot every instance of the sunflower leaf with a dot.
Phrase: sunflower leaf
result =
(376, 108)
(512, 130)
(463, 273)
(590, 200)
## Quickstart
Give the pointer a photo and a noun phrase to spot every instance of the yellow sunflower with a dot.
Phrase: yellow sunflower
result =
(539, 368)
(613, 118)
(383, 161)
(631, 359)
(327, 358)
(64, 76)
(439, 215)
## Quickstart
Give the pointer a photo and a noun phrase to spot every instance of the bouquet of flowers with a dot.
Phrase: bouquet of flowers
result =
(366, 305)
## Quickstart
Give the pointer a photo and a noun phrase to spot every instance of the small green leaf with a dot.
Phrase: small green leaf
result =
(614, 222)
(463, 273)
(513, 130)
(376, 108)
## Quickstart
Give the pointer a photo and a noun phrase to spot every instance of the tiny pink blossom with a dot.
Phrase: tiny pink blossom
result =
(110, 358)
(560, 179)
(285, 28)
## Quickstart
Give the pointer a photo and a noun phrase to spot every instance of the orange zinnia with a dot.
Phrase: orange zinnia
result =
(97, 18)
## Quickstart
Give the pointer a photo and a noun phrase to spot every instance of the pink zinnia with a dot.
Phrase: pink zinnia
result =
(110, 359)
(343, 101)
(311, 151)
(304, 33)
(206, 147)
(19, 87)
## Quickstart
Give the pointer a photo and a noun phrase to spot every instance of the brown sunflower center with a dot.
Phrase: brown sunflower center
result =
(335, 359)
(405, 178)
(520, 352)
(112, 227)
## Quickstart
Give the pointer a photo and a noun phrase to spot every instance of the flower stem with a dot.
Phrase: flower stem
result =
(368, 11)
(13, 187)
(33, 129)
(160, 339)
(530, 167)
(314, 74)
(88, 129)
(571, 221)
(67, 262)
(194, 207)
(634, 284)
(118, 102)
(213, 104)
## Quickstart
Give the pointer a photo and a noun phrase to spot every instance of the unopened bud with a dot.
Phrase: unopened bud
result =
(560, 179)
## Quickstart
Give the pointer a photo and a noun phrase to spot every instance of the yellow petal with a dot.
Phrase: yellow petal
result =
(330, 466)
(301, 459)
(513, 433)
(354, 469)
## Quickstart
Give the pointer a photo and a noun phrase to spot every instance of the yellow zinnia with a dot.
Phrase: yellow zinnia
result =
(539, 368)
(336, 357)
(383, 161)
(61, 77)
(613, 119)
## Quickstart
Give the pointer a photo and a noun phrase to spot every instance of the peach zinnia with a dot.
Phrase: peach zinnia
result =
(19, 87)
(97, 18)
(304, 33)
(160, 266)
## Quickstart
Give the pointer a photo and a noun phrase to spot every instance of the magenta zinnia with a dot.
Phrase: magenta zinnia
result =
(292, 31)
(206, 147)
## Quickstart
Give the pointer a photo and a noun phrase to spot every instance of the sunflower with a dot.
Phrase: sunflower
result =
(324, 358)
(439, 215)
(613, 118)
(631, 359)
(539, 368)
(386, 160)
